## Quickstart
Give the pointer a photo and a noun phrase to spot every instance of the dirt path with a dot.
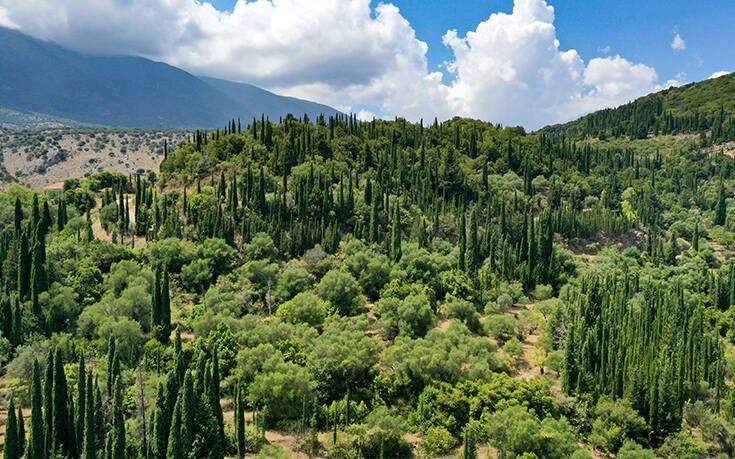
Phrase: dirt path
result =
(103, 235)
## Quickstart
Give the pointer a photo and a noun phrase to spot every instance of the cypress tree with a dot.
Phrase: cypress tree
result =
(374, 223)
(90, 437)
(175, 450)
(473, 249)
(6, 318)
(160, 436)
(462, 241)
(395, 249)
(156, 304)
(165, 308)
(48, 403)
(240, 422)
(81, 402)
(62, 433)
(215, 401)
(36, 446)
(189, 414)
(17, 216)
(695, 238)
(24, 268)
(721, 208)
(12, 446)
(21, 428)
(469, 448)
(118, 424)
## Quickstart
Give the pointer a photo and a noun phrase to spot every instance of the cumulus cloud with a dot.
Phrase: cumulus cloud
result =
(511, 69)
(678, 43)
(718, 74)
(345, 53)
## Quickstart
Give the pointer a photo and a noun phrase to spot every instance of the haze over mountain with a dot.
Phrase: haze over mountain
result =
(127, 91)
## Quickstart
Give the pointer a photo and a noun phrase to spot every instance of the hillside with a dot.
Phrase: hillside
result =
(346, 289)
(41, 157)
(126, 91)
(705, 106)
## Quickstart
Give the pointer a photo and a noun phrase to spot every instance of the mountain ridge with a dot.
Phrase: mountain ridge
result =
(127, 91)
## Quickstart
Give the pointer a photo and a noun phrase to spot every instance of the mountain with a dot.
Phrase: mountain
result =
(43, 78)
(707, 105)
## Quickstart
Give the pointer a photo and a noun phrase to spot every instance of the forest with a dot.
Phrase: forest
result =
(383, 289)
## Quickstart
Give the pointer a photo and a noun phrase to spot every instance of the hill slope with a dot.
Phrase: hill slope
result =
(696, 107)
(44, 78)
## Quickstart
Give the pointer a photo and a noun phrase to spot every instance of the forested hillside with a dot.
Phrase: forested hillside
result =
(384, 289)
(706, 108)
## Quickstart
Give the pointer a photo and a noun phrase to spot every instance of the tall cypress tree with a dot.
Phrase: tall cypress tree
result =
(462, 265)
(473, 249)
(721, 208)
(216, 406)
(90, 428)
(156, 304)
(24, 268)
(62, 433)
(395, 249)
(21, 428)
(12, 446)
(118, 423)
(175, 450)
(48, 403)
(165, 308)
(189, 414)
(240, 422)
(374, 223)
(81, 401)
(36, 446)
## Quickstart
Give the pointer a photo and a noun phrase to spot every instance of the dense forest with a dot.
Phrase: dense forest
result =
(380, 289)
(705, 109)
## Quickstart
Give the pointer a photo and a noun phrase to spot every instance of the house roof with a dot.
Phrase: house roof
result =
(55, 186)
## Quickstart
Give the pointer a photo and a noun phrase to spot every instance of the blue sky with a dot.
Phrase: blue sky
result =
(641, 31)
(515, 62)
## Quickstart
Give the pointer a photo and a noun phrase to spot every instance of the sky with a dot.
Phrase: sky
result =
(515, 62)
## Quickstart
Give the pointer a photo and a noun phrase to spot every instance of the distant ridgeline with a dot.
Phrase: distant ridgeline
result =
(706, 108)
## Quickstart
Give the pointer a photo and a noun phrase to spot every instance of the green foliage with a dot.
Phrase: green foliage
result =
(303, 308)
(341, 291)
(437, 441)
(411, 316)
(516, 431)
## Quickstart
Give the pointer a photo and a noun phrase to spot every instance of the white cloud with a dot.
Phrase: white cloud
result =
(718, 74)
(5, 19)
(678, 43)
(511, 69)
(365, 115)
(606, 50)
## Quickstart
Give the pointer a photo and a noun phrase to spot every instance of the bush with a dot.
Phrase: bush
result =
(380, 434)
(515, 431)
(504, 302)
(514, 348)
(293, 281)
(501, 327)
(614, 423)
(465, 311)
(437, 441)
(260, 247)
(632, 450)
(196, 276)
(342, 292)
(542, 292)
(412, 316)
(303, 308)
